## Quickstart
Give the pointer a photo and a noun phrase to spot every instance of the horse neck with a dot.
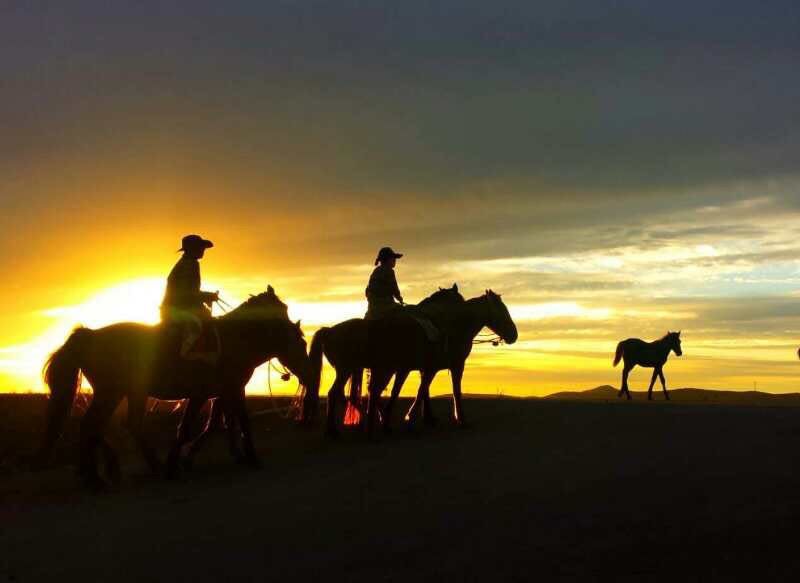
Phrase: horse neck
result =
(663, 346)
(252, 341)
(473, 316)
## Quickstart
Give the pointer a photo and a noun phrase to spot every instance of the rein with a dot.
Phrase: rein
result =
(286, 411)
(488, 338)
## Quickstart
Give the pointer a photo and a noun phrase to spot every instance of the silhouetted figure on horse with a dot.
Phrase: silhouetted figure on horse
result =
(653, 355)
(135, 361)
(398, 343)
(187, 308)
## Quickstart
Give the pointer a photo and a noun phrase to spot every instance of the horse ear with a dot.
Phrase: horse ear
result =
(455, 286)
(270, 291)
(440, 288)
(679, 333)
(298, 322)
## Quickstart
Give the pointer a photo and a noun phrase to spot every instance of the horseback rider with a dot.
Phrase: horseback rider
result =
(382, 290)
(185, 304)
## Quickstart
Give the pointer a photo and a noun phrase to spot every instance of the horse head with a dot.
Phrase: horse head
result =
(674, 342)
(268, 312)
(499, 320)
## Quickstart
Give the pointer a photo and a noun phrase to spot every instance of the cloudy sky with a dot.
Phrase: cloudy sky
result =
(615, 169)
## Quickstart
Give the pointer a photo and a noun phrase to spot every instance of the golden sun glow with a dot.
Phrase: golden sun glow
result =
(138, 300)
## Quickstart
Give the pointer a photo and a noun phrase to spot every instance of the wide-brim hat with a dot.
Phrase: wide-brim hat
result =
(195, 242)
(387, 253)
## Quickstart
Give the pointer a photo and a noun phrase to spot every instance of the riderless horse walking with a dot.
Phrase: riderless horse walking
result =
(653, 355)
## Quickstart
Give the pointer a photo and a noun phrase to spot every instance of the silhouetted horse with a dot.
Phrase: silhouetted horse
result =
(649, 355)
(397, 344)
(135, 361)
(432, 308)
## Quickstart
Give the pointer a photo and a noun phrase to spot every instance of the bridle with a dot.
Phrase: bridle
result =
(492, 338)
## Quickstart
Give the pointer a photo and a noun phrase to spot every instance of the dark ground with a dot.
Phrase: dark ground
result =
(534, 489)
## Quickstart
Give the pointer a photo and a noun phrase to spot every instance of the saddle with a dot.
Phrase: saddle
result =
(427, 325)
(180, 345)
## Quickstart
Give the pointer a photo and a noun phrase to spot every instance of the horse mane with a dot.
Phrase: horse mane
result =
(265, 304)
(447, 294)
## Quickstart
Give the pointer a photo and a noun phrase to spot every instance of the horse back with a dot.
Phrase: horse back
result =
(637, 351)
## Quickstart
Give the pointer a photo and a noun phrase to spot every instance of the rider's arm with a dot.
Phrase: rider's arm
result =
(395, 288)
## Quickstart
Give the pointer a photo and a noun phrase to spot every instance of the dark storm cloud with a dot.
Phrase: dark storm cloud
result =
(428, 97)
(465, 130)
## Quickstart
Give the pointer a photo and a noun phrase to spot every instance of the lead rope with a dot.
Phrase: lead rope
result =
(285, 412)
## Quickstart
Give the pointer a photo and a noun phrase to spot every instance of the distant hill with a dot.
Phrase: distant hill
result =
(687, 395)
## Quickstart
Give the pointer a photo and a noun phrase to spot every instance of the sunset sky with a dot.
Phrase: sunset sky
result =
(614, 169)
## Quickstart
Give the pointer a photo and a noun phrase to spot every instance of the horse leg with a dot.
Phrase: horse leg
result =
(91, 436)
(399, 380)
(663, 383)
(213, 420)
(652, 382)
(356, 380)
(335, 394)
(624, 388)
(377, 383)
(424, 386)
(193, 407)
(250, 456)
(135, 422)
(457, 373)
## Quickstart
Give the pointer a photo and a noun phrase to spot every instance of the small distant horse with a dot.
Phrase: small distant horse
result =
(398, 344)
(653, 355)
(135, 361)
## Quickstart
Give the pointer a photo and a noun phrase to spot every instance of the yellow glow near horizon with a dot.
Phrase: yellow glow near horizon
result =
(535, 365)
(138, 300)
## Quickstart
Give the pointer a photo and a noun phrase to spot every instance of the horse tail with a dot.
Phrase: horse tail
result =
(315, 356)
(62, 373)
(619, 353)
